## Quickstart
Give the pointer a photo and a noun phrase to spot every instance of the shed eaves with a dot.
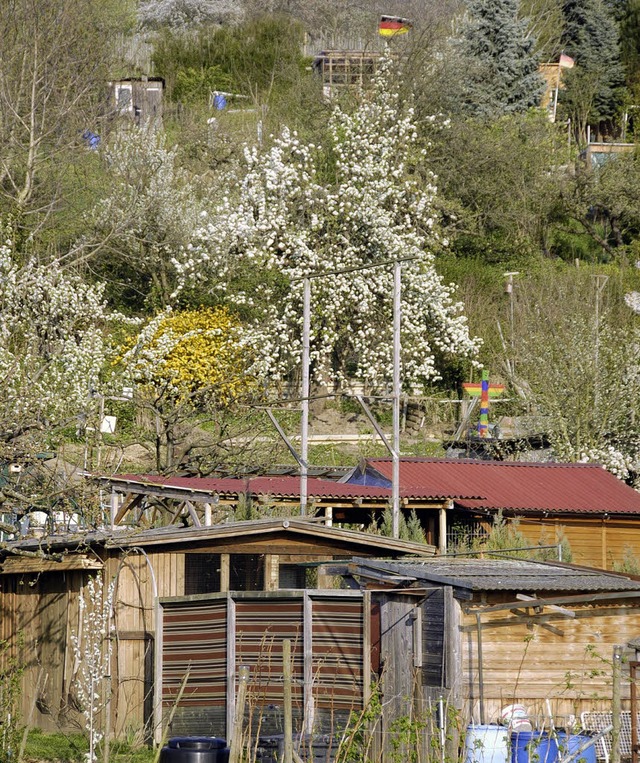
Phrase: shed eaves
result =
(509, 575)
(517, 486)
(284, 487)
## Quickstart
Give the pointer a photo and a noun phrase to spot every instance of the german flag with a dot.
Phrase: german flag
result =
(390, 26)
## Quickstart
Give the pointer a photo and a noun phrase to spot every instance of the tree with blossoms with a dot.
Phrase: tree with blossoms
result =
(53, 349)
(189, 366)
(300, 210)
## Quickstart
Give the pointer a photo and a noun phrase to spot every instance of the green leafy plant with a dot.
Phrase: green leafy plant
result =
(10, 698)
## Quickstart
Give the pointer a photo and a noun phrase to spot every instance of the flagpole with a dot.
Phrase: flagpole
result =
(555, 97)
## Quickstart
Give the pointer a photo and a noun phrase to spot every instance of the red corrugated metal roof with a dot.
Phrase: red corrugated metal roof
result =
(275, 486)
(557, 488)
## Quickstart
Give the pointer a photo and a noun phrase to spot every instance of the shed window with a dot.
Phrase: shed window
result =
(201, 573)
(292, 576)
(246, 572)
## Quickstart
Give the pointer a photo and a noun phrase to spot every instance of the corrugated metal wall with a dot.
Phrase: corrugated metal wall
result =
(194, 654)
(211, 637)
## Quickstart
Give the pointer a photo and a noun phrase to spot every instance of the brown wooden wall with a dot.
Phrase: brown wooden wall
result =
(38, 614)
(595, 542)
(530, 659)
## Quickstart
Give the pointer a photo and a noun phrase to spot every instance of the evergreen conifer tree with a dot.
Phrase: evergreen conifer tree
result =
(629, 25)
(499, 56)
(591, 38)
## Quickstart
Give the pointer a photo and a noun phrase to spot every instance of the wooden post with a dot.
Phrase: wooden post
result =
(616, 704)
(238, 717)
(442, 530)
(481, 670)
(288, 710)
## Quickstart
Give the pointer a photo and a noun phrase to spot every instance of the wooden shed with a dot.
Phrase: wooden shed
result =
(238, 565)
(480, 634)
(495, 632)
(139, 99)
(598, 514)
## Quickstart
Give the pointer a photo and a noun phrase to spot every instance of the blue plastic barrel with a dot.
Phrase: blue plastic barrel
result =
(533, 747)
(570, 743)
(486, 744)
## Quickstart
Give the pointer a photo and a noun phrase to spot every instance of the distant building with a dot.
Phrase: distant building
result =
(343, 69)
(597, 154)
(140, 99)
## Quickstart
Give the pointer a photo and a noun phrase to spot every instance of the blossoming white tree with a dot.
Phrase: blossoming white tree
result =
(300, 211)
(92, 654)
(52, 347)
(149, 210)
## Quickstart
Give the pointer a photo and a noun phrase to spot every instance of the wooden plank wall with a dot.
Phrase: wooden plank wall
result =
(135, 624)
(42, 612)
(595, 542)
(38, 614)
(548, 656)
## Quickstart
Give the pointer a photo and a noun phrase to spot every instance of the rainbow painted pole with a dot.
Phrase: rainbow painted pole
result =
(483, 424)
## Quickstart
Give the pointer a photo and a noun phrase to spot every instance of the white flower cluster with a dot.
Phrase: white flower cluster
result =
(632, 300)
(149, 210)
(152, 348)
(183, 13)
(92, 655)
(297, 216)
(52, 347)
(612, 459)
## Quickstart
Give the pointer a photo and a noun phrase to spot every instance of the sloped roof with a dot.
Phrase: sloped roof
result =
(264, 528)
(507, 575)
(513, 485)
(280, 487)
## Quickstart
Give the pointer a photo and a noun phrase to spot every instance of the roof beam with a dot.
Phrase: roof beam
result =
(583, 598)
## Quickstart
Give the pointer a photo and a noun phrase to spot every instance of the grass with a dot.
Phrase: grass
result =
(58, 747)
(72, 748)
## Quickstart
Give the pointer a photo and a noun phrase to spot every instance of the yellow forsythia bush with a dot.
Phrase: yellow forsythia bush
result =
(195, 350)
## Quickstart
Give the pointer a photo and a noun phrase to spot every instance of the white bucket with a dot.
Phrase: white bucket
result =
(486, 744)
(512, 713)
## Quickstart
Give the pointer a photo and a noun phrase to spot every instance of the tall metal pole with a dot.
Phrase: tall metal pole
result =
(395, 489)
(304, 435)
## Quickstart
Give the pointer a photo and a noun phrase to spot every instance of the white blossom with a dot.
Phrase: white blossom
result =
(289, 221)
(92, 655)
(52, 345)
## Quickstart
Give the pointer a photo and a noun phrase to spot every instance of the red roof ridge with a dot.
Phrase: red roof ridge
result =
(479, 462)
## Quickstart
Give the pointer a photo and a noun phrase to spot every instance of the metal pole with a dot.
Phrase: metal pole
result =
(304, 436)
(397, 317)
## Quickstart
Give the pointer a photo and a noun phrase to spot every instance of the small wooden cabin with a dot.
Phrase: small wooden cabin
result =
(245, 567)
(494, 632)
(598, 514)
(139, 99)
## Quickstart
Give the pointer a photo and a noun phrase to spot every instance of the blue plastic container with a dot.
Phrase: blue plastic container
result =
(533, 747)
(570, 743)
(486, 744)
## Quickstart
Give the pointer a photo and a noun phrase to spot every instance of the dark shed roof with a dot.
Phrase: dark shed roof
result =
(507, 575)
